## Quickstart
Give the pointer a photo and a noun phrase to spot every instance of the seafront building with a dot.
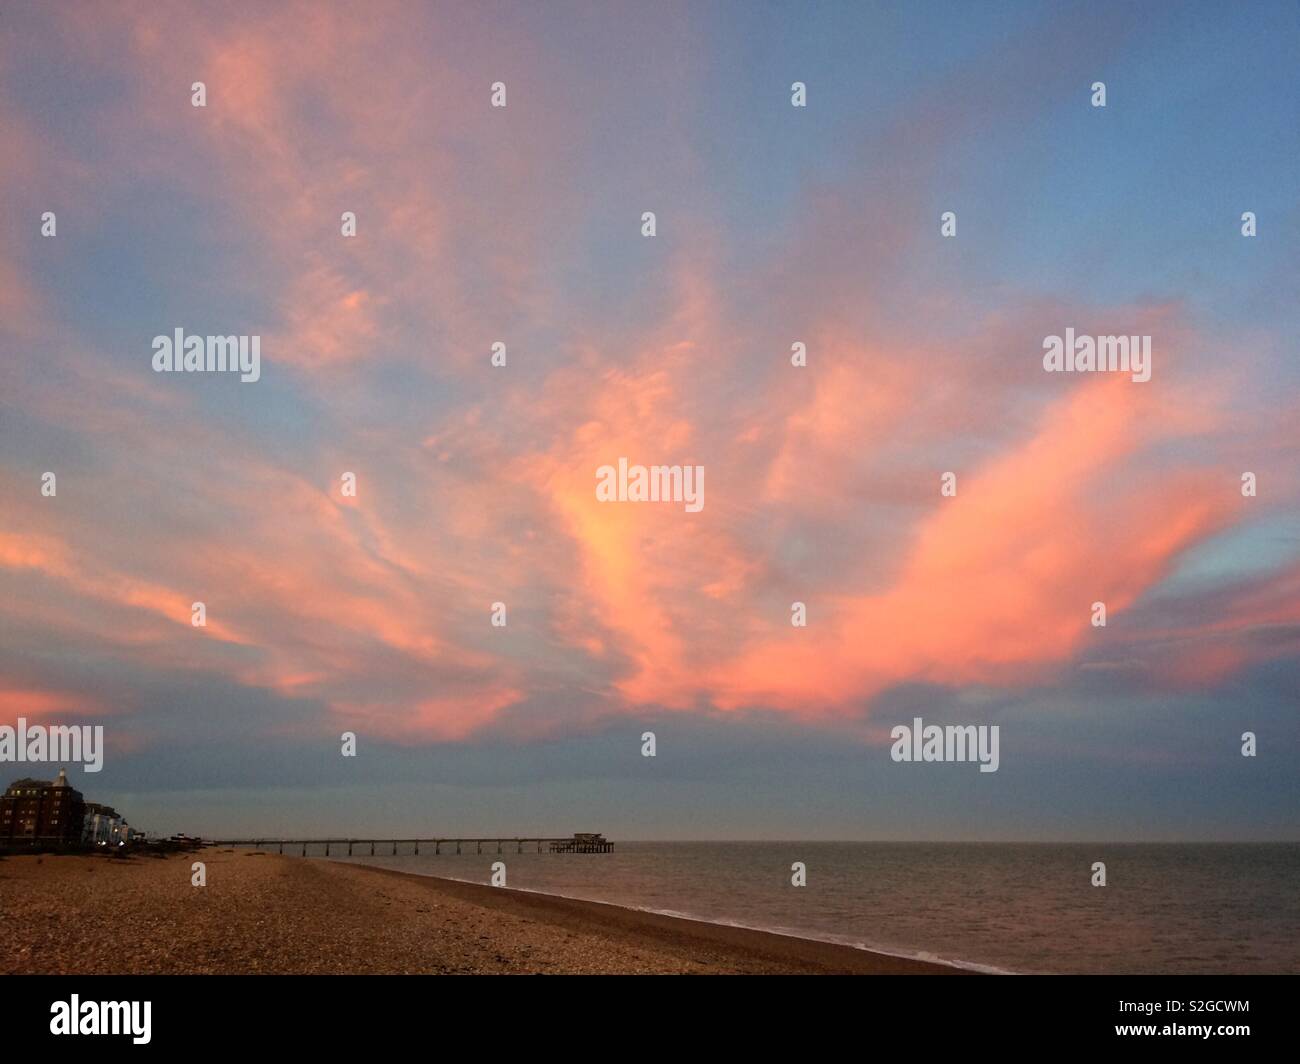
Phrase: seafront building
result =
(105, 826)
(34, 811)
(54, 813)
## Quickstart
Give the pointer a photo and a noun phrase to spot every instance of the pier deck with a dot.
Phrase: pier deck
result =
(582, 842)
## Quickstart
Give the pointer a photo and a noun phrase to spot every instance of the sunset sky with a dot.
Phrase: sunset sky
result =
(775, 225)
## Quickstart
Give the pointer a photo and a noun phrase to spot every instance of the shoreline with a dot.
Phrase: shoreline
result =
(263, 913)
(862, 959)
(956, 967)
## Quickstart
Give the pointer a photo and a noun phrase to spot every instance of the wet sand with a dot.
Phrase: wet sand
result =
(266, 913)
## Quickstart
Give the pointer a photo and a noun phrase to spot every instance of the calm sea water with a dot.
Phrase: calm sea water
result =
(1167, 908)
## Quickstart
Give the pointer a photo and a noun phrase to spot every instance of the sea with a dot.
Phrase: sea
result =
(995, 907)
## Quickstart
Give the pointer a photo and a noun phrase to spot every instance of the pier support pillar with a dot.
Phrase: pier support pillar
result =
(327, 849)
(480, 845)
(394, 847)
(282, 847)
(458, 847)
(349, 848)
(372, 848)
(304, 849)
(417, 847)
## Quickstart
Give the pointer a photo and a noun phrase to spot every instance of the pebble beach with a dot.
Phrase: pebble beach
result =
(262, 913)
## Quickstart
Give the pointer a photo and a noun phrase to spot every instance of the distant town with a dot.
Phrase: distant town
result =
(42, 815)
(52, 816)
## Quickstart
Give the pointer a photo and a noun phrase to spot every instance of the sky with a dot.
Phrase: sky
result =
(774, 224)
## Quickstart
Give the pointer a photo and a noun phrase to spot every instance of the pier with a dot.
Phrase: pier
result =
(579, 842)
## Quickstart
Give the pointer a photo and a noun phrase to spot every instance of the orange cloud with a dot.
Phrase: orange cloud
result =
(999, 580)
(46, 704)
